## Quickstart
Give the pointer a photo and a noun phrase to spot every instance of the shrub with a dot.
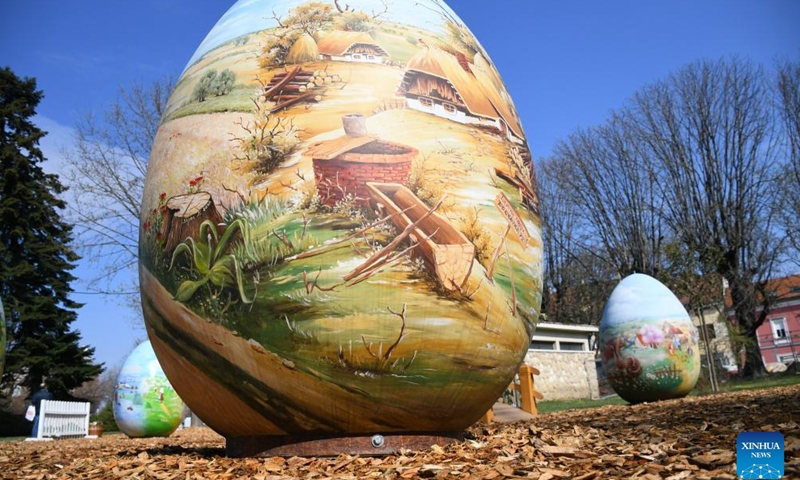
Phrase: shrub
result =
(223, 83)
(213, 83)
(265, 141)
(106, 417)
(14, 425)
(205, 86)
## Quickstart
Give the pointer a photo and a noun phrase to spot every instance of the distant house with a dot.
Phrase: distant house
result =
(713, 329)
(448, 86)
(344, 46)
(779, 335)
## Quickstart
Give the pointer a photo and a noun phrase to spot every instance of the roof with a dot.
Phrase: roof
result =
(566, 328)
(499, 101)
(329, 149)
(477, 89)
(338, 42)
(780, 289)
(786, 287)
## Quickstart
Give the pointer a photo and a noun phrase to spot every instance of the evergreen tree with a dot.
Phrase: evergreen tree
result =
(35, 256)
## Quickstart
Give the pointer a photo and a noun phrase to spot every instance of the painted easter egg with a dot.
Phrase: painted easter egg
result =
(648, 342)
(340, 232)
(145, 404)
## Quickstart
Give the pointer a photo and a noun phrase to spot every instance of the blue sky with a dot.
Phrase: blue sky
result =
(567, 64)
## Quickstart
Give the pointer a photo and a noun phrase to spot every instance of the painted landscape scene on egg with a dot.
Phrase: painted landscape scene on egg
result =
(647, 361)
(145, 404)
(648, 342)
(340, 204)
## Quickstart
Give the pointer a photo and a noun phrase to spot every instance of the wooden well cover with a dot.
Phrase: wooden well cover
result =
(385, 298)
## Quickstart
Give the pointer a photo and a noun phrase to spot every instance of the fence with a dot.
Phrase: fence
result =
(784, 349)
(63, 419)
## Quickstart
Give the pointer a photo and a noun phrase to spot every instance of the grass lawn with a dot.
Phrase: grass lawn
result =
(19, 439)
(12, 439)
(559, 405)
(729, 386)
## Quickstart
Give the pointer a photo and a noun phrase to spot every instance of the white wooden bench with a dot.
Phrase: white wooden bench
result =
(59, 419)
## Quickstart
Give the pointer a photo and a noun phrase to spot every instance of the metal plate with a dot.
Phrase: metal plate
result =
(307, 446)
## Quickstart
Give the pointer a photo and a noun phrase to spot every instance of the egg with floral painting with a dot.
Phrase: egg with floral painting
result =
(648, 342)
(340, 233)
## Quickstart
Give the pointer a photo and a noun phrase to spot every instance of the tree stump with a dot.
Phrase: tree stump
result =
(184, 215)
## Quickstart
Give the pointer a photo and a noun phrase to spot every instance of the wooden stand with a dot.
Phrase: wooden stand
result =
(527, 390)
(528, 397)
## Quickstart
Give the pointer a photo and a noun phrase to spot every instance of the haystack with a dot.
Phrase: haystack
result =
(303, 50)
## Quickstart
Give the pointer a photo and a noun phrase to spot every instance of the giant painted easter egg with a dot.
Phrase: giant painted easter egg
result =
(340, 233)
(145, 404)
(648, 342)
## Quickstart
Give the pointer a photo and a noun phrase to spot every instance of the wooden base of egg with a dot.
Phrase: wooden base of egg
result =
(351, 257)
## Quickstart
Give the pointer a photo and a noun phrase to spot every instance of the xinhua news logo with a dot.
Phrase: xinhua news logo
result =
(759, 455)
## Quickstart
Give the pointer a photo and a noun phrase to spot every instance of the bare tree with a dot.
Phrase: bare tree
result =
(710, 128)
(106, 171)
(612, 186)
(100, 390)
(788, 88)
(577, 279)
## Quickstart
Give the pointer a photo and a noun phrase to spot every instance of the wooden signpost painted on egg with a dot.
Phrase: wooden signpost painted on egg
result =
(514, 223)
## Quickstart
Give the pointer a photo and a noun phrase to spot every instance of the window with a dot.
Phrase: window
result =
(710, 332)
(779, 329)
(426, 102)
(572, 346)
(789, 358)
(449, 108)
(356, 56)
(542, 345)
(370, 57)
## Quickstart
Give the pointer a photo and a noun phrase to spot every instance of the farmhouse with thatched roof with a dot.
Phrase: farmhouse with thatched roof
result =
(350, 47)
(440, 83)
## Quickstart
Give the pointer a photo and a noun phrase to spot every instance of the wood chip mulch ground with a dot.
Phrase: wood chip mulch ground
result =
(691, 438)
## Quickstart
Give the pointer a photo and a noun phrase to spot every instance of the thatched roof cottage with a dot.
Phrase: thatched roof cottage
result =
(350, 47)
(437, 82)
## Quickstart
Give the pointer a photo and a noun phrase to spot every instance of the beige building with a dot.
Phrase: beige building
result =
(719, 340)
(564, 356)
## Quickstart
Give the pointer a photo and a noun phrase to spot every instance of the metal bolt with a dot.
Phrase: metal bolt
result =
(378, 441)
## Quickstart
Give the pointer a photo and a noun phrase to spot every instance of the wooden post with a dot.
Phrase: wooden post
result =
(490, 270)
(513, 287)
(527, 391)
(488, 416)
